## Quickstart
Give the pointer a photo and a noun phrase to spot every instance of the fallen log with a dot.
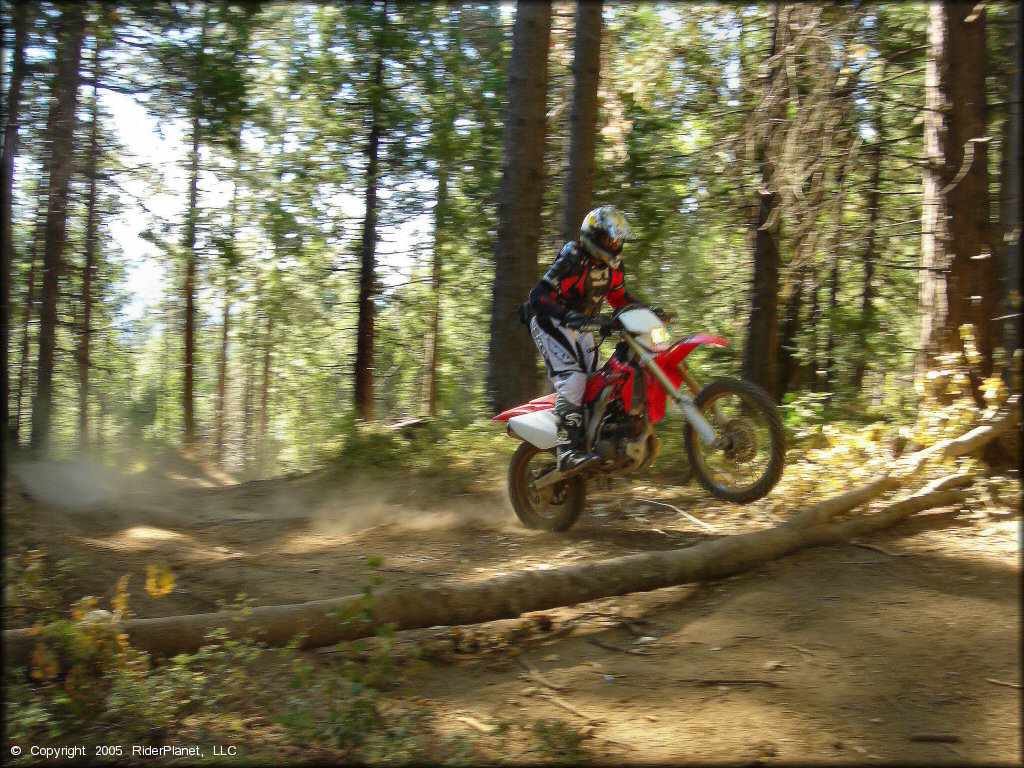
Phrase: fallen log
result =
(969, 442)
(502, 597)
(512, 595)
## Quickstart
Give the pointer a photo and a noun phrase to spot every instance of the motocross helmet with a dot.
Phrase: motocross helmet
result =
(603, 232)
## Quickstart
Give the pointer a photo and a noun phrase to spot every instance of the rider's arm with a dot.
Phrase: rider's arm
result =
(545, 296)
(617, 294)
(544, 300)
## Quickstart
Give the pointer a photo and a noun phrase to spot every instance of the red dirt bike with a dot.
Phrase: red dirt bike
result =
(733, 437)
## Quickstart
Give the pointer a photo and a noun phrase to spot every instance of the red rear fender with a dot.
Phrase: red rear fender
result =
(538, 404)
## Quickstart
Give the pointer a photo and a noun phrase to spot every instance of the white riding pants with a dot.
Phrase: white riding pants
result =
(570, 356)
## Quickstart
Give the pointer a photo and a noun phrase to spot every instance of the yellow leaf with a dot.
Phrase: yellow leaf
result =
(159, 580)
(44, 664)
(82, 607)
(120, 599)
(993, 390)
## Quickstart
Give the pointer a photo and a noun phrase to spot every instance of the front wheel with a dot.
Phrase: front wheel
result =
(750, 462)
(554, 508)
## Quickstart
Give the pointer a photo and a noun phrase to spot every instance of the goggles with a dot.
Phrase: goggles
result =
(608, 243)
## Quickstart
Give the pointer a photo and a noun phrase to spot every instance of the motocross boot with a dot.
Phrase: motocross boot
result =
(570, 445)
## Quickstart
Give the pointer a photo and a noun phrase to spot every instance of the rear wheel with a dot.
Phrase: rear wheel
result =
(751, 461)
(554, 508)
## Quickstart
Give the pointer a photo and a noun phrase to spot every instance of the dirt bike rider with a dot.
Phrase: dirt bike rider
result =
(567, 299)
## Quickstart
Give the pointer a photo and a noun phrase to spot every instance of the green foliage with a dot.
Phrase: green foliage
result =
(34, 589)
(557, 742)
(86, 679)
(284, 92)
(454, 458)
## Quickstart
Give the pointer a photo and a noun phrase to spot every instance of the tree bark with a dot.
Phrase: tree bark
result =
(512, 358)
(89, 268)
(760, 352)
(222, 359)
(1010, 215)
(867, 296)
(263, 450)
(578, 192)
(364, 371)
(809, 374)
(444, 160)
(222, 380)
(188, 380)
(511, 595)
(27, 320)
(19, 23)
(786, 352)
(247, 397)
(957, 286)
(191, 219)
(831, 374)
(61, 130)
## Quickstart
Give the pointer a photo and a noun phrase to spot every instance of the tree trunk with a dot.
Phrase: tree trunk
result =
(163, 412)
(444, 160)
(38, 236)
(263, 444)
(89, 268)
(222, 379)
(810, 374)
(957, 286)
(760, 352)
(191, 219)
(1010, 183)
(27, 321)
(247, 397)
(511, 595)
(867, 304)
(222, 359)
(833, 285)
(578, 192)
(364, 371)
(831, 374)
(970, 283)
(788, 329)
(60, 128)
(188, 394)
(12, 117)
(512, 357)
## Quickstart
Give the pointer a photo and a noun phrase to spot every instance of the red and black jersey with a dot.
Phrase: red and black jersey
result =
(577, 282)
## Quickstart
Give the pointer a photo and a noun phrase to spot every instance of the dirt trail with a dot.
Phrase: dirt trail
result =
(848, 652)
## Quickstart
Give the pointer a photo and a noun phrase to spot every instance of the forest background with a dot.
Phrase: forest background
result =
(360, 195)
(252, 239)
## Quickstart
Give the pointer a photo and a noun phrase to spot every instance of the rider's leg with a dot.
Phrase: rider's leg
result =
(571, 448)
(569, 357)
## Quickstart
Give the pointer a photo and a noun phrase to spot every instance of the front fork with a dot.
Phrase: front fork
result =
(676, 395)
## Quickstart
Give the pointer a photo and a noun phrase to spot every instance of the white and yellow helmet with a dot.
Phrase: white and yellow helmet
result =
(603, 232)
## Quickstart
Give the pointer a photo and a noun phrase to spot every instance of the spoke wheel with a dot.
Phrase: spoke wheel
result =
(749, 463)
(556, 507)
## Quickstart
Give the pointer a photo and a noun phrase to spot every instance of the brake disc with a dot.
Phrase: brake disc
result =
(743, 440)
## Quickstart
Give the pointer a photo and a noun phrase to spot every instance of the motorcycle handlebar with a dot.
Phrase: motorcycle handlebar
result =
(601, 323)
(610, 323)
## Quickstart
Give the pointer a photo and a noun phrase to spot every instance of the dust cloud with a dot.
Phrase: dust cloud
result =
(174, 491)
(71, 484)
(354, 505)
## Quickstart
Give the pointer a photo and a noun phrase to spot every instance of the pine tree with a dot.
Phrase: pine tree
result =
(512, 359)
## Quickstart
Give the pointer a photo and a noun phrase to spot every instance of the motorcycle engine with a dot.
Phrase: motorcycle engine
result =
(622, 440)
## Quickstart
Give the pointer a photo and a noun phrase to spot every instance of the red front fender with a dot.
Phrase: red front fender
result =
(675, 354)
(669, 361)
